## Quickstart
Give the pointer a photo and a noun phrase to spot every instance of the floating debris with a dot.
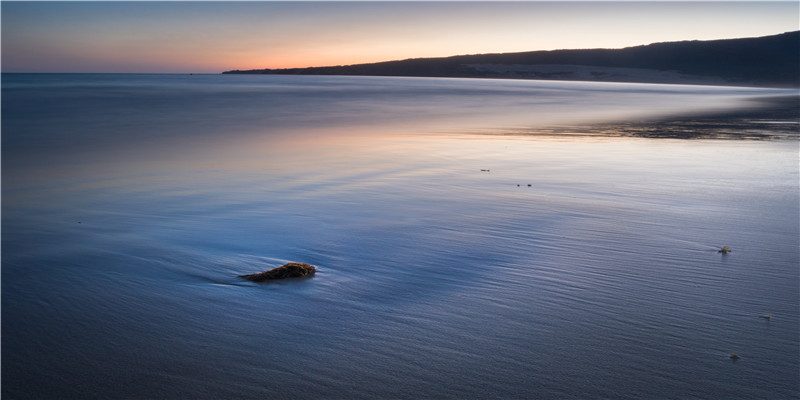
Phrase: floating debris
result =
(529, 185)
(735, 356)
(484, 170)
(724, 250)
(768, 316)
(289, 270)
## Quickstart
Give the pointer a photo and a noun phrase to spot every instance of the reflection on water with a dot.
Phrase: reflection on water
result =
(764, 119)
(574, 267)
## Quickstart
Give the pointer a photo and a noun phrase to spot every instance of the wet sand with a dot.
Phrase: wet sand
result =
(771, 118)
(597, 277)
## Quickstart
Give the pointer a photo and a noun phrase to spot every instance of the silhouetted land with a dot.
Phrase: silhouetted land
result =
(772, 61)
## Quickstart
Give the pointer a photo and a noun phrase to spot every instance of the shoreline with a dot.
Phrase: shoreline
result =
(599, 75)
(608, 75)
(769, 118)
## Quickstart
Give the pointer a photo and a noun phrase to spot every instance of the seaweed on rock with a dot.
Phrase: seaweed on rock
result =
(288, 270)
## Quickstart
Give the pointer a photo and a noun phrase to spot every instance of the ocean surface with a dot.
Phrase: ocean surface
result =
(472, 240)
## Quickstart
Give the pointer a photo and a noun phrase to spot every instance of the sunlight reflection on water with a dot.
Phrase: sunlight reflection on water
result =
(436, 279)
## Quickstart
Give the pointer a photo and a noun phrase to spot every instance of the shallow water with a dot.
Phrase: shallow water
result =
(130, 204)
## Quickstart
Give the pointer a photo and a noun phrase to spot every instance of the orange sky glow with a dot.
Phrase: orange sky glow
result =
(215, 36)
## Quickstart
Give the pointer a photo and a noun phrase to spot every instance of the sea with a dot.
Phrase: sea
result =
(473, 238)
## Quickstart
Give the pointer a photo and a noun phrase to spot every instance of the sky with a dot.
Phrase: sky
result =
(211, 37)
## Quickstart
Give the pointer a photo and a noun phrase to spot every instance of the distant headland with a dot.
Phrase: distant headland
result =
(768, 61)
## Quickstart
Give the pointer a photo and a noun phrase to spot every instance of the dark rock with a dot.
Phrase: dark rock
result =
(289, 270)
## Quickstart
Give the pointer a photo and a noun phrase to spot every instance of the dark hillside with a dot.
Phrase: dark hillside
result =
(769, 60)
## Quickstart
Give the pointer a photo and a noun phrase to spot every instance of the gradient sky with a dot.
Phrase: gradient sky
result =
(216, 36)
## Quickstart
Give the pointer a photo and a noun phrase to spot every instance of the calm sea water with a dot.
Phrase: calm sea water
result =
(575, 267)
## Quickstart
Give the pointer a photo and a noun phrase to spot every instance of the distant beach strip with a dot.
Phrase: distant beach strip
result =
(768, 61)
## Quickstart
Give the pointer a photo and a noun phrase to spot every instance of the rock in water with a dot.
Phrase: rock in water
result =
(289, 270)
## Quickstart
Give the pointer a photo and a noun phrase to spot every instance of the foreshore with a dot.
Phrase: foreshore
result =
(768, 118)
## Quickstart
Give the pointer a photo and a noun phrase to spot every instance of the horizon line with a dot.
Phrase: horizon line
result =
(385, 60)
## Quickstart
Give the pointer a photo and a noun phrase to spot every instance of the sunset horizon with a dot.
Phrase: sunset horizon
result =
(400, 200)
(210, 37)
